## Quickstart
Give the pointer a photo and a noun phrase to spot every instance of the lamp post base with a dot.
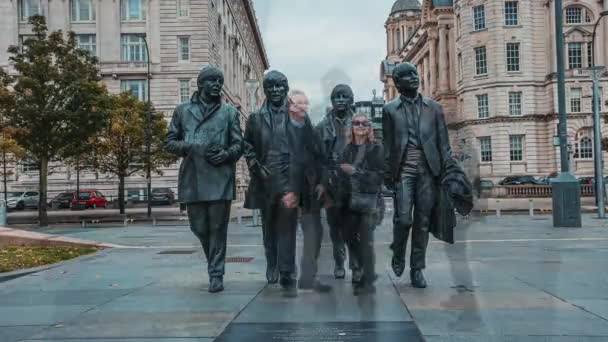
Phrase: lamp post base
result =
(566, 201)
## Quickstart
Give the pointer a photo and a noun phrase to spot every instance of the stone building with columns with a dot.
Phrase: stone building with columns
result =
(492, 65)
(183, 36)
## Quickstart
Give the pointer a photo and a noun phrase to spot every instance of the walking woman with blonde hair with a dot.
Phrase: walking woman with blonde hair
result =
(362, 170)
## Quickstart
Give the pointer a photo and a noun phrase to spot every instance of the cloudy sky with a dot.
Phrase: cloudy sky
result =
(319, 43)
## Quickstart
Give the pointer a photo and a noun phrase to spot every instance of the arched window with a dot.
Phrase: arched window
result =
(577, 15)
(584, 144)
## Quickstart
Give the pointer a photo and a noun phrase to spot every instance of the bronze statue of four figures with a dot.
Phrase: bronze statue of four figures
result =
(296, 169)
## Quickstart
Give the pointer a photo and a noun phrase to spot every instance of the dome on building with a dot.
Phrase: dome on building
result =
(405, 5)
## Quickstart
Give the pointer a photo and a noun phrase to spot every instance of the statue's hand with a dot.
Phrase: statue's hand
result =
(219, 158)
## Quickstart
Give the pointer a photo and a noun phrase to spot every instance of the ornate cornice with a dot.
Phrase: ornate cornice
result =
(512, 119)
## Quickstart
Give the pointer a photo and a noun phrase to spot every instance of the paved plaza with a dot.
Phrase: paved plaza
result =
(513, 278)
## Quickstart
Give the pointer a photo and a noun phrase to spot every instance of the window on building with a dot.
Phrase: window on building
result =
(574, 15)
(133, 9)
(483, 108)
(583, 146)
(485, 149)
(137, 88)
(184, 49)
(133, 48)
(410, 32)
(460, 67)
(29, 8)
(87, 42)
(590, 54)
(184, 91)
(399, 40)
(512, 57)
(516, 147)
(83, 10)
(515, 103)
(22, 39)
(481, 64)
(479, 17)
(511, 13)
(576, 95)
(29, 165)
(183, 8)
(575, 55)
(458, 24)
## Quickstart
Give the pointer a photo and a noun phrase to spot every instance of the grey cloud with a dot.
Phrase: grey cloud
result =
(307, 39)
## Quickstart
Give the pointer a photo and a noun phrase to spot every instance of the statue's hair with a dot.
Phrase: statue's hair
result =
(402, 67)
(274, 76)
(342, 88)
(208, 71)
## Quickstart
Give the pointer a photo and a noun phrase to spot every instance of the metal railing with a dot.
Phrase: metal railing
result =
(530, 191)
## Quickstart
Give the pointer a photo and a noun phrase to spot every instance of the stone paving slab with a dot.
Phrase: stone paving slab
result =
(17, 333)
(328, 331)
(513, 338)
(340, 305)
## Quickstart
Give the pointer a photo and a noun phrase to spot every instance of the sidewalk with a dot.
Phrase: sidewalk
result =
(506, 279)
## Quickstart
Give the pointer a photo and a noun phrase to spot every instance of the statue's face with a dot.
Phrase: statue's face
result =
(211, 87)
(341, 101)
(276, 92)
(406, 78)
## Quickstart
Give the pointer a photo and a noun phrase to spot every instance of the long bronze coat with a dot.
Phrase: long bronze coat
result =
(192, 129)
(433, 134)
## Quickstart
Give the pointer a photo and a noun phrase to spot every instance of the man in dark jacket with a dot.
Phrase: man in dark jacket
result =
(417, 150)
(275, 146)
(207, 134)
(334, 131)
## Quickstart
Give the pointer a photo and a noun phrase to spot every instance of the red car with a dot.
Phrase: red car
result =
(90, 199)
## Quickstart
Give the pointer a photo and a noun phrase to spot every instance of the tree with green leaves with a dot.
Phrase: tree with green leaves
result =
(53, 98)
(120, 148)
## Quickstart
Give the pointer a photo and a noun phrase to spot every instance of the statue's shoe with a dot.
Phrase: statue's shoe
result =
(272, 275)
(216, 285)
(417, 279)
(398, 266)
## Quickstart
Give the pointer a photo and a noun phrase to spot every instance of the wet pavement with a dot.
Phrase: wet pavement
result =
(513, 278)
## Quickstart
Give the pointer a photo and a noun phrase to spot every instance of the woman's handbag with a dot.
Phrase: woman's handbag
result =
(361, 201)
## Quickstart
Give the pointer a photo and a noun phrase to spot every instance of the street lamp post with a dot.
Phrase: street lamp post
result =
(566, 188)
(597, 71)
(148, 133)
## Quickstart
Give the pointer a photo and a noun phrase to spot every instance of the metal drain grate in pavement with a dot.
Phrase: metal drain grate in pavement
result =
(238, 260)
(178, 252)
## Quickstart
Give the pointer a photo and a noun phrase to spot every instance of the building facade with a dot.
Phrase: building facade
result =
(183, 37)
(492, 65)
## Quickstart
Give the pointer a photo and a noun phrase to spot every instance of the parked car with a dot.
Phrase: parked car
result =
(62, 200)
(90, 199)
(163, 195)
(520, 180)
(22, 199)
(136, 195)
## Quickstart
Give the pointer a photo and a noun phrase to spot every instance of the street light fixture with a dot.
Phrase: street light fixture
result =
(148, 131)
(597, 71)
